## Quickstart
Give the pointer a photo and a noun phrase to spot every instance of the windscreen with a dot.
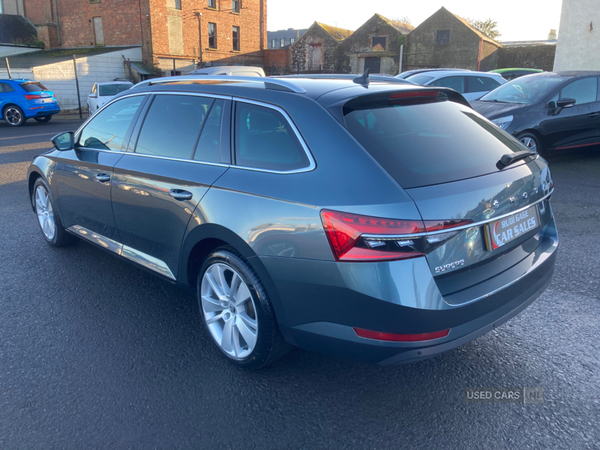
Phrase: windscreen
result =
(525, 90)
(33, 86)
(109, 90)
(430, 143)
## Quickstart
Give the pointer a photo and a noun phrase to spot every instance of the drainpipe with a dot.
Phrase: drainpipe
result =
(479, 57)
(400, 60)
(57, 23)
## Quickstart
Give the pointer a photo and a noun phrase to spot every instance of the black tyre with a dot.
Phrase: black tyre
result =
(237, 313)
(14, 116)
(43, 119)
(531, 141)
(47, 215)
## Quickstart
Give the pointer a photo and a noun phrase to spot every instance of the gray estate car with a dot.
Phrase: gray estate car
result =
(375, 221)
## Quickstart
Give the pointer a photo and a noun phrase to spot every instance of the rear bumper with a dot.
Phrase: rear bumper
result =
(319, 303)
(46, 111)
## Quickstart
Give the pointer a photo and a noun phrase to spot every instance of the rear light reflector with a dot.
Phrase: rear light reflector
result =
(415, 97)
(413, 94)
(392, 337)
(33, 97)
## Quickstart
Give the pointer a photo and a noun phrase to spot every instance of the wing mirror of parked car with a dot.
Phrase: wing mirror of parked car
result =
(559, 105)
(92, 95)
(63, 141)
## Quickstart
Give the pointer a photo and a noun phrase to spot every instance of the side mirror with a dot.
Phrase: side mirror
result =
(92, 95)
(566, 102)
(63, 141)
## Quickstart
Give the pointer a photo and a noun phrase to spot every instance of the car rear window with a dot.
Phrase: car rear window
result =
(109, 90)
(428, 143)
(33, 86)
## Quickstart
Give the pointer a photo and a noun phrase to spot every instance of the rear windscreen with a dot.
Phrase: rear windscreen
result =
(33, 86)
(431, 143)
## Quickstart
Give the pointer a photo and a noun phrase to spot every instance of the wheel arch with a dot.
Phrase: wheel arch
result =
(536, 133)
(206, 238)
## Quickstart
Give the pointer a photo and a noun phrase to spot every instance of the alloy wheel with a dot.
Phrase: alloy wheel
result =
(229, 311)
(13, 116)
(45, 213)
(529, 143)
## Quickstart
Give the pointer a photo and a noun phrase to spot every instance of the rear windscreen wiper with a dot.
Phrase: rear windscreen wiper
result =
(511, 158)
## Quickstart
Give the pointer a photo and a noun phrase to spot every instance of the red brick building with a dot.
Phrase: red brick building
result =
(173, 33)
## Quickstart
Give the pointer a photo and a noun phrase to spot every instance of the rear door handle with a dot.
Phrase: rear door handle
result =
(179, 194)
(594, 114)
(102, 177)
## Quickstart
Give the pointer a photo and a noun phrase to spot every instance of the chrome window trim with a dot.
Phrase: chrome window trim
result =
(312, 165)
(462, 227)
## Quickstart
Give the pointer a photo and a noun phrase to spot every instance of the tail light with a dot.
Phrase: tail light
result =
(353, 237)
(33, 97)
(415, 97)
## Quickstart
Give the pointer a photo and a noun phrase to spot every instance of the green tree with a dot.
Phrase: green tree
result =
(488, 27)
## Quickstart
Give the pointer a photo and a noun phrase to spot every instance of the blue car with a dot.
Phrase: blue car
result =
(26, 99)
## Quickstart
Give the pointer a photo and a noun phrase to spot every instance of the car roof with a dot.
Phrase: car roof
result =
(516, 69)
(443, 73)
(17, 80)
(114, 82)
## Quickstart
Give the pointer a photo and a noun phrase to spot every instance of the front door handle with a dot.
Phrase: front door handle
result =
(179, 194)
(102, 177)
(594, 114)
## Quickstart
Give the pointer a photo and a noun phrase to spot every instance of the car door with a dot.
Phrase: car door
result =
(179, 149)
(577, 125)
(478, 86)
(83, 175)
(454, 82)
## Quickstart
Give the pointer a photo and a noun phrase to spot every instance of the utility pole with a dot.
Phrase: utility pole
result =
(77, 83)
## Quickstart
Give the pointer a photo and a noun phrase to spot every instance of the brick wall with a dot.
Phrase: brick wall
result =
(251, 21)
(277, 60)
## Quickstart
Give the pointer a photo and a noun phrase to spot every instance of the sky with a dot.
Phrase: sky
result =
(518, 20)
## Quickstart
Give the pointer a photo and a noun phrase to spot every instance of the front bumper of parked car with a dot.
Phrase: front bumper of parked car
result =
(319, 304)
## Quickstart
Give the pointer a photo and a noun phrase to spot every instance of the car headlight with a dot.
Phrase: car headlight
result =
(503, 122)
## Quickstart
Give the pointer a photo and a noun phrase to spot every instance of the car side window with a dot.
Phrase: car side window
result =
(209, 144)
(172, 126)
(583, 91)
(5, 87)
(264, 139)
(481, 84)
(456, 83)
(107, 130)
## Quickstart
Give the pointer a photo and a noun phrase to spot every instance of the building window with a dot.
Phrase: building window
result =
(273, 43)
(98, 31)
(236, 38)
(212, 35)
(292, 40)
(235, 6)
(378, 43)
(443, 37)
(282, 42)
(212, 4)
(175, 4)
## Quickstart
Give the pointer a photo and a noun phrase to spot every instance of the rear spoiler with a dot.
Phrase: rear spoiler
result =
(401, 96)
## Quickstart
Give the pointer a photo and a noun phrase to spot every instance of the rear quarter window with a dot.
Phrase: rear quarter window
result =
(426, 144)
(264, 139)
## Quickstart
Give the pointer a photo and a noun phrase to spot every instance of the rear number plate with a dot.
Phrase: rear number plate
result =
(503, 231)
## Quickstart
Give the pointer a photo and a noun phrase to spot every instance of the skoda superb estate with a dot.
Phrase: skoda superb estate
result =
(374, 221)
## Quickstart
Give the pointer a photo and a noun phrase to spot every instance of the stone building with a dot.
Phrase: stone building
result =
(578, 45)
(527, 54)
(375, 45)
(446, 40)
(318, 50)
(175, 35)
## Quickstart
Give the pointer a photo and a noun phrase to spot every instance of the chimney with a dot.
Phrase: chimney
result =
(297, 34)
(552, 35)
